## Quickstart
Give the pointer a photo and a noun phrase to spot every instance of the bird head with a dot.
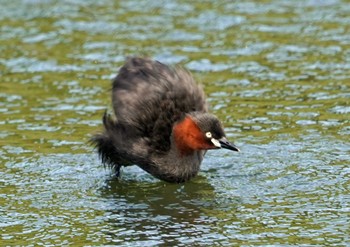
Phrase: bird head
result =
(200, 131)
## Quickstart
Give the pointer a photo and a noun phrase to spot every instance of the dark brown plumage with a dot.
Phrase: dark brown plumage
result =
(161, 122)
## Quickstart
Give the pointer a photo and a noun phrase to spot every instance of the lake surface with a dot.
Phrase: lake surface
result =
(277, 73)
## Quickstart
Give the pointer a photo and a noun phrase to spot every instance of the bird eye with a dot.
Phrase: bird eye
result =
(208, 134)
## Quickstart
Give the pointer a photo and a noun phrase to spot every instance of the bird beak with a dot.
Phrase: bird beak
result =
(224, 143)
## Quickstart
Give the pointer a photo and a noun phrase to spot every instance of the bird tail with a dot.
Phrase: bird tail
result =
(105, 145)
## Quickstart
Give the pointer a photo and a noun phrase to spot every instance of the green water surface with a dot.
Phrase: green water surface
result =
(277, 73)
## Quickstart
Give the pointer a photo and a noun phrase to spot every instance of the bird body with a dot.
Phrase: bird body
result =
(161, 122)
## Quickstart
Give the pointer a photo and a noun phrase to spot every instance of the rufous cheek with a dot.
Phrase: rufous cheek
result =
(189, 138)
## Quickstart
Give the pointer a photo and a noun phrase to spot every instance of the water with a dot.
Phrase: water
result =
(275, 72)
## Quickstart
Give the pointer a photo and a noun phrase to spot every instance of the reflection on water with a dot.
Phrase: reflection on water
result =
(275, 72)
(160, 213)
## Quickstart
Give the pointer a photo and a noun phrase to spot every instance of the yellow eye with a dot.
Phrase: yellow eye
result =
(208, 135)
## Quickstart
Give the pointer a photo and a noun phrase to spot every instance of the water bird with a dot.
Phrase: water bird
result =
(161, 122)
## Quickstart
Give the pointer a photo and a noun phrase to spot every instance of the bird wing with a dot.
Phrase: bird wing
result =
(150, 96)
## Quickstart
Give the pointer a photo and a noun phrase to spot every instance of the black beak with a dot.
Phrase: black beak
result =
(226, 144)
